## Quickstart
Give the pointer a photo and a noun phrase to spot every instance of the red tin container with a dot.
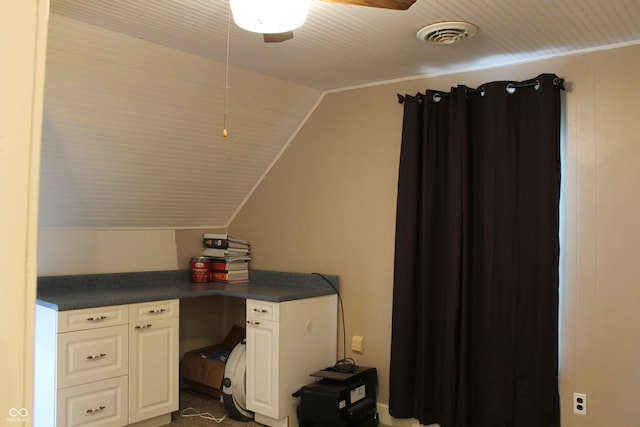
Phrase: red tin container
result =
(200, 267)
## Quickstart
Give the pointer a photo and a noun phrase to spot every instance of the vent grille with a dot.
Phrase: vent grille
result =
(447, 32)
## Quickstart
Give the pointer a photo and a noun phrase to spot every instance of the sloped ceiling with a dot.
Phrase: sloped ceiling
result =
(132, 132)
(136, 91)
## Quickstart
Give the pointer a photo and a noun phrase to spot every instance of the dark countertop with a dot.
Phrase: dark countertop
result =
(97, 290)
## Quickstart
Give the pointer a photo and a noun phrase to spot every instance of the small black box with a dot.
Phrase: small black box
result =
(340, 399)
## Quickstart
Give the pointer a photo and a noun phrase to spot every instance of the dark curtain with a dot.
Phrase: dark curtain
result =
(475, 299)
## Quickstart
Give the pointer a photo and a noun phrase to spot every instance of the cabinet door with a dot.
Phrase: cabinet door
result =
(262, 367)
(153, 368)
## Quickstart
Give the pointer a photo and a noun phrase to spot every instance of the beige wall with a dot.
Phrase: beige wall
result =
(328, 205)
(96, 251)
(23, 26)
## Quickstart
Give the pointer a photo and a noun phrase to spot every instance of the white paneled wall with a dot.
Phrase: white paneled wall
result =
(132, 132)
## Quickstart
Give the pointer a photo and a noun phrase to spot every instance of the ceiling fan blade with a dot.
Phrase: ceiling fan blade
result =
(277, 37)
(383, 4)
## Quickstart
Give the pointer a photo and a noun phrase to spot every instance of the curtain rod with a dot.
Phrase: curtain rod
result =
(558, 83)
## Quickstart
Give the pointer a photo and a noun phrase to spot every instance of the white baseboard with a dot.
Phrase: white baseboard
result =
(387, 420)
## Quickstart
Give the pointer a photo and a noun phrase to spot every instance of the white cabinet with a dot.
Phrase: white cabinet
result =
(153, 360)
(81, 367)
(286, 342)
(106, 366)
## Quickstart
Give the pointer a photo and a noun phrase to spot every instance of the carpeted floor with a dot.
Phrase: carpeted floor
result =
(198, 410)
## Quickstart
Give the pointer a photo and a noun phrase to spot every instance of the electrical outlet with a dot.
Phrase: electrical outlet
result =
(579, 403)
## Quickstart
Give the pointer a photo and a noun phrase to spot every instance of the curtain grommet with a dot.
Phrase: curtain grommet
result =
(511, 87)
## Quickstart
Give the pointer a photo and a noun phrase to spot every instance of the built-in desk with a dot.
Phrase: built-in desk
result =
(97, 290)
(107, 344)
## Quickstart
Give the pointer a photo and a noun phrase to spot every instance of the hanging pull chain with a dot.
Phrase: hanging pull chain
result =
(226, 76)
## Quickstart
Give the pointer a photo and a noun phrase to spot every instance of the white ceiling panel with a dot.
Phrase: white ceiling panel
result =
(132, 132)
(344, 45)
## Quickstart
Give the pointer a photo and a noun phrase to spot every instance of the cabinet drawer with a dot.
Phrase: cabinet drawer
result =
(263, 310)
(102, 403)
(89, 318)
(92, 355)
(154, 310)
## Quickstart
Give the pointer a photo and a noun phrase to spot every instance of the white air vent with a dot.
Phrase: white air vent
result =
(447, 32)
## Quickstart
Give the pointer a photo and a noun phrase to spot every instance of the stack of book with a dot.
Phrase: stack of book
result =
(229, 257)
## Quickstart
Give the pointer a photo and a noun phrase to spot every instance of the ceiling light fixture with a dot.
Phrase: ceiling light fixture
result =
(447, 32)
(269, 16)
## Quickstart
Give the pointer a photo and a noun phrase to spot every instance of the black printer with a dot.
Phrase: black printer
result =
(339, 399)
